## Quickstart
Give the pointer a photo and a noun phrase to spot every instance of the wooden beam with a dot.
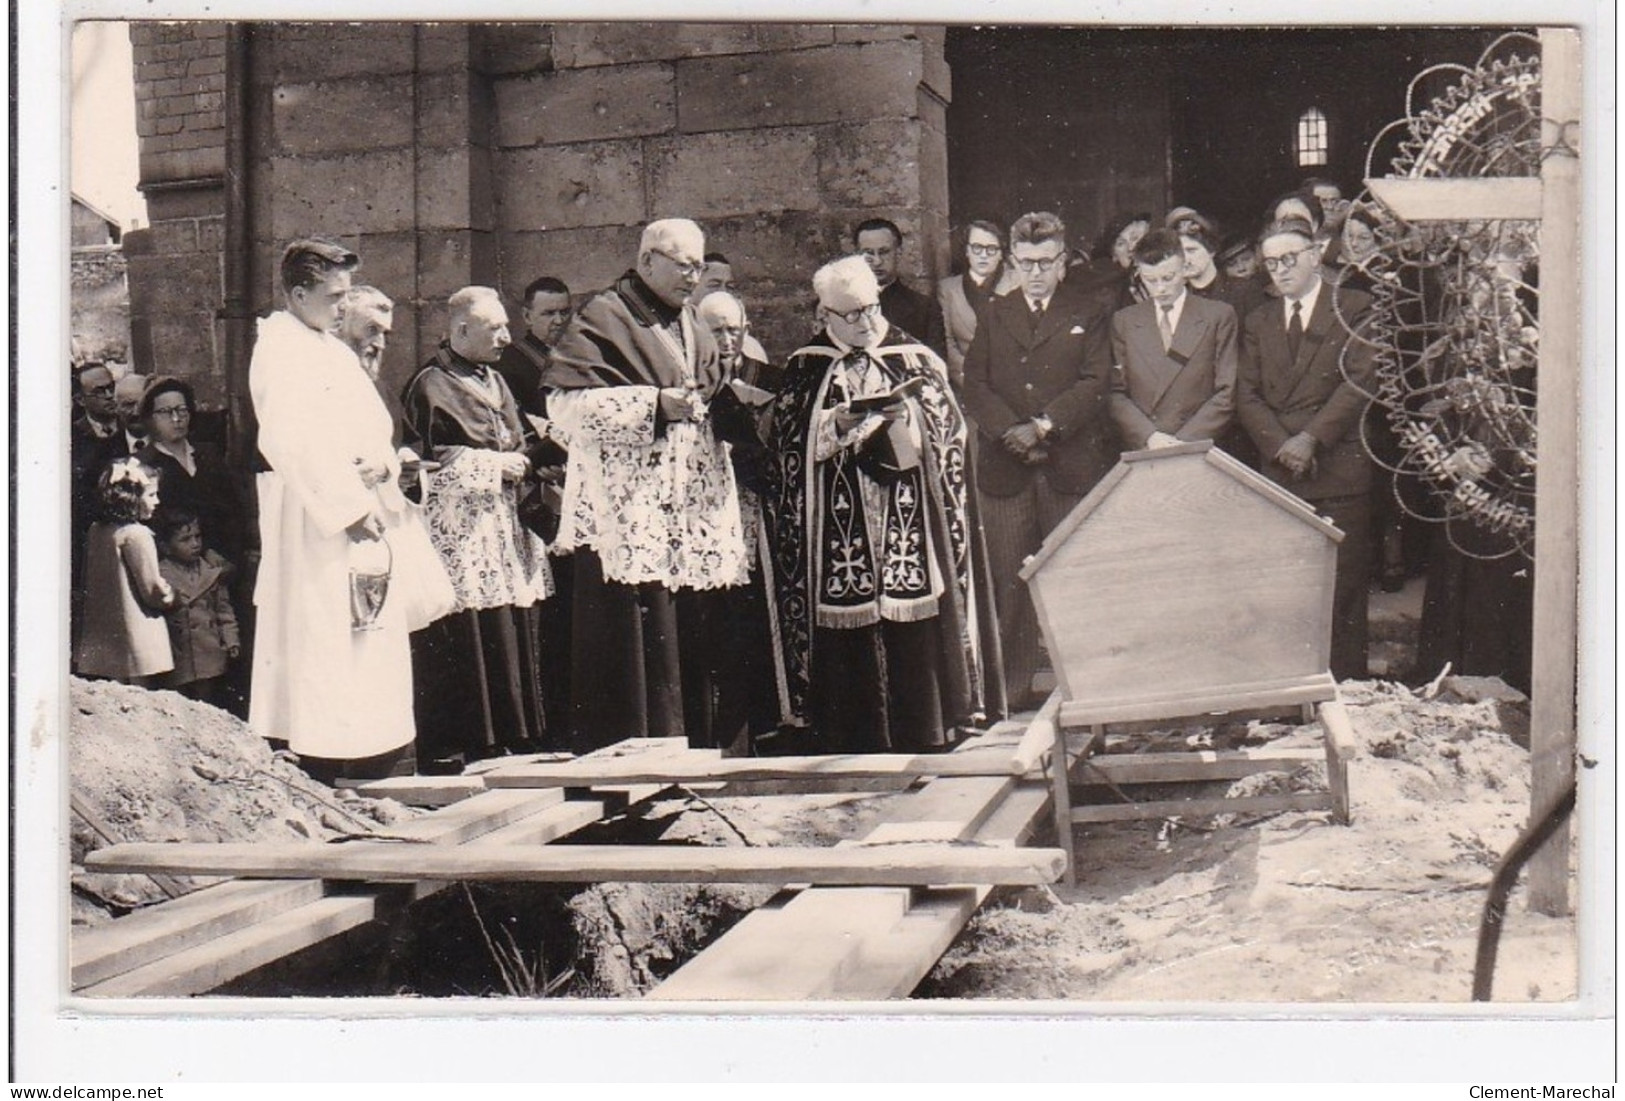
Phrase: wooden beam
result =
(900, 865)
(1552, 730)
(213, 963)
(546, 827)
(1218, 700)
(788, 954)
(749, 961)
(682, 770)
(1197, 808)
(1340, 749)
(1460, 200)
(1038, 739)
(421, 791)
(1161, 768)
(151, 933)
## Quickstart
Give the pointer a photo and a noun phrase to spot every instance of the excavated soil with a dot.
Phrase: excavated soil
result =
(1290, 907)
(1283, 908)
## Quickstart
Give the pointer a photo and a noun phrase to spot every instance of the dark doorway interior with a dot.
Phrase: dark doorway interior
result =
(1090, 122)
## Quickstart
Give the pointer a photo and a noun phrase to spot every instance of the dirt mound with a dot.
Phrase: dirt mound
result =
(156, 766)
(1292, 907)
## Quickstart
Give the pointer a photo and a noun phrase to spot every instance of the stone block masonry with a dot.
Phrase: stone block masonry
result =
(457, 153)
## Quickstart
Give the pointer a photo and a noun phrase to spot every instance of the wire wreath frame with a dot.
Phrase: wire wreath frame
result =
(1453, 324)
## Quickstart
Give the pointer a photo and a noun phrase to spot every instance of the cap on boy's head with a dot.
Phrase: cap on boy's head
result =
(846, 284)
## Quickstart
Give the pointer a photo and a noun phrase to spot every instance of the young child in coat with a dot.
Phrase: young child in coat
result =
(124, 636)
(202, 623)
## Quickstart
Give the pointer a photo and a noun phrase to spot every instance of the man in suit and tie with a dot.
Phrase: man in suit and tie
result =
(1173, 355)
(1302, 386)
(880, 243)
(1035, 384)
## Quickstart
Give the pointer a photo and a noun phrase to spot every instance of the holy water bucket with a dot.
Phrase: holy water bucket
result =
(371, 561)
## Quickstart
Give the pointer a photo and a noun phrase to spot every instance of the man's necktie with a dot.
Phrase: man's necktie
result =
(1165, 322)
(1036, 313)
(1294, 330)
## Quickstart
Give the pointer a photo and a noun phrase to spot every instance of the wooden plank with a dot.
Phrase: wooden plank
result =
(1156, 768)
(1340, 749)
(948, 809)
(1552, 720)
(1060, 774)
(682, 770)
(545, 827)
(789, 954)
(1220, 700)
(475, 816)
(762, 943)
(903, 865)
(1195, 808)
(1294, 505)
(207, 966)
(109, 836)
(891, 964)
(102, 951)
(1189, 447)
(802, 786)
(1039, 737)
(1073, 520)
(422, 791)
(1465, 199)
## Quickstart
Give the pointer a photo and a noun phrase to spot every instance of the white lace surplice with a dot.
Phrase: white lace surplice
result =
(664, 510)
(493, 560)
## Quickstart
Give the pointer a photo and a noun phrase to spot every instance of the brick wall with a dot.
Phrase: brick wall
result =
(176, 264)
(180, 86)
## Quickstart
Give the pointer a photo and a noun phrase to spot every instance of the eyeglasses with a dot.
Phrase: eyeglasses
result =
(984, 250)
(1286, 261)
(861, 314)
(689, 268)
(1039, 263)
(173, 412)
(101, 391)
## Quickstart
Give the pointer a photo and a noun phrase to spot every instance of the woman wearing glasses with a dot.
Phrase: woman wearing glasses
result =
(963, 296)
(194, 475)
(1301, 390)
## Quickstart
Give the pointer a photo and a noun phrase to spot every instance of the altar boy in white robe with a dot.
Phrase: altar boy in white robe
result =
(336, 687)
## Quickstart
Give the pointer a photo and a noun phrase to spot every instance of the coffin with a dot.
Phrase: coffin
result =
(1186, 583)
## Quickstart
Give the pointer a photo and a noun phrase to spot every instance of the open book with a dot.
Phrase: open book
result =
(905, 389)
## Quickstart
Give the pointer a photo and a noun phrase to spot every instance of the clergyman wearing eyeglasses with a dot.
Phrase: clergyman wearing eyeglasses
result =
(651, 508)
(1035, 386)
(1300, 398)
(884, 617)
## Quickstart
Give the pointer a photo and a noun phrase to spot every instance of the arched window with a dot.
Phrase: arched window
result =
(1312, 139)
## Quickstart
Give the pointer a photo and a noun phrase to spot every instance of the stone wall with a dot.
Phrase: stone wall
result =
(457, 153)
(100, 307)
(776, 138)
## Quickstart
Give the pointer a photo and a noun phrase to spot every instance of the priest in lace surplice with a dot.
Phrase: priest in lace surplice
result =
(651, 508)
(477, 669)
(888, 637)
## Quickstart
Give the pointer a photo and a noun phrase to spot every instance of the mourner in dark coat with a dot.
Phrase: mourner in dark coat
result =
(1302, 389)
(1036, 378)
